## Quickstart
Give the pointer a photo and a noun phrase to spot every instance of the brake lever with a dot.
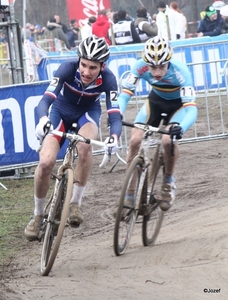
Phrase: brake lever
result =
(46, 131)
(109, 154)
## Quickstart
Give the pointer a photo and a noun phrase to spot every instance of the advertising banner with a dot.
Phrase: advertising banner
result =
(18, 120)
(205, 56)
(83, 9)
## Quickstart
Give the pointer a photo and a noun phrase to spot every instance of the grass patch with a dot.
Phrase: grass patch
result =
(16, 207)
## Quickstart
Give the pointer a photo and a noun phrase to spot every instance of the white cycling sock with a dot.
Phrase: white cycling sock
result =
(77, 194)
(168, 179)
(39, 206)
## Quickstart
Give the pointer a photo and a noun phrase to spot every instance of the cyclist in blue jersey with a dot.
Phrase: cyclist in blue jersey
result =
(73, 96)
(172, 93)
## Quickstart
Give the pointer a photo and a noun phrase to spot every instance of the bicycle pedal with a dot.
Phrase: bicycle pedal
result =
(73, 225)
(142, 210)
(41, 235)
(127, 207)
(165, 205)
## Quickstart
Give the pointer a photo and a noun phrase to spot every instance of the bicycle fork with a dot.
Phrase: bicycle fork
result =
(52, 202)
(140, 189)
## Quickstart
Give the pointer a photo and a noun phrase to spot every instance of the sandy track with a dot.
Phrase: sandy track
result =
(190, 255)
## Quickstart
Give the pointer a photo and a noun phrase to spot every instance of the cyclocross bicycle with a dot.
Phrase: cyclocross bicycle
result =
(57, 208)
(142, 180)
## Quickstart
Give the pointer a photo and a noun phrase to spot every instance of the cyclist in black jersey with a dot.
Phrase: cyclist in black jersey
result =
(73, 96)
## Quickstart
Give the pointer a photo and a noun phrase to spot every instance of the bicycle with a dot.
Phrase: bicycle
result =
(141, 181)
(57, 207)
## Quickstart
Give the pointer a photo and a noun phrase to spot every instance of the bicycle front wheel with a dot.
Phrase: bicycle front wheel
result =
(127, 214)
(152, 220)
(54, 228)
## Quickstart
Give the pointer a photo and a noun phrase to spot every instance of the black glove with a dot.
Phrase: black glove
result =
(176, 130)
(178, 36)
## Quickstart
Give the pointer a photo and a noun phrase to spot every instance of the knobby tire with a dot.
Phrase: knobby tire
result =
(51, 242)
(152, 221)
(125, 216)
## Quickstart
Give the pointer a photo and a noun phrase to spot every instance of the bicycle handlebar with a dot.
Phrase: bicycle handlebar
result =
(106, 158)
(46, 131)
(147, 127)
(76, 137)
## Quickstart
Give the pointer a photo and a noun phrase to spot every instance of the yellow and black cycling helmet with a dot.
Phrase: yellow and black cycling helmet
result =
(157, 51)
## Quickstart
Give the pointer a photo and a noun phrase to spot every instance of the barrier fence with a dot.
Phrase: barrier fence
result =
(208, 65)
(192, 29)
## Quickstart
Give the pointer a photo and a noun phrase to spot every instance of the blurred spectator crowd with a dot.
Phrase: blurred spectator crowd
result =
(119, 28)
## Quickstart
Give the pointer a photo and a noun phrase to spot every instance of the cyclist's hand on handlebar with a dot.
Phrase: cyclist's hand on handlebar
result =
(43, 125)
(111, 146)
(176, 130)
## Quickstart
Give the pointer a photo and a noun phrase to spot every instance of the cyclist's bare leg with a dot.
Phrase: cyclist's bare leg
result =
(134, 144)
(168, 186)
(47, 161)
(82, 172)
(85, 155)
(168, 158)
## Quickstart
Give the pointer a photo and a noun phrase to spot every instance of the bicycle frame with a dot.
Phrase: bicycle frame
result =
(139, 182)
(66, 164)
(145, 146)
(59, 202)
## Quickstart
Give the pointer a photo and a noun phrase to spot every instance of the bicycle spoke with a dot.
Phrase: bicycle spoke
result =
(56, 223)
(153, 218)
(127, 214)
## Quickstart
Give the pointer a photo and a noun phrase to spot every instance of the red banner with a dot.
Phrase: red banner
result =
(81, 10)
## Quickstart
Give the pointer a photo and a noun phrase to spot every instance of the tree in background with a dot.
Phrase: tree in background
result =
(39, 12)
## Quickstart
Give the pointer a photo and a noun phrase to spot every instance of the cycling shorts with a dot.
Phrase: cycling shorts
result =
(151, 111)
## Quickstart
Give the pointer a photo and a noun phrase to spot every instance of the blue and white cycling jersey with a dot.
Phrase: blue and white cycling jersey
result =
(176, 84)
(71, 100)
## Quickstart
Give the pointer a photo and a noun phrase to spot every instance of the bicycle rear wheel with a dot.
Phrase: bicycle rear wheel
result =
(127, 215)
(54, 228)
(152, 220)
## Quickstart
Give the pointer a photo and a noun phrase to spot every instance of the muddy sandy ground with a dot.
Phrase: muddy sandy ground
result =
(188, 261)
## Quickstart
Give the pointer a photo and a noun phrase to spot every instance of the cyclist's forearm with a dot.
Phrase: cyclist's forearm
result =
(124, 98)
(186, 116)
(190, 117)
(115, 127)
(43, 107)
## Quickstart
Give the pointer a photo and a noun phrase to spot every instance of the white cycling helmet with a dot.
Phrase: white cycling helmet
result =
(157, 51)
(94, 48)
